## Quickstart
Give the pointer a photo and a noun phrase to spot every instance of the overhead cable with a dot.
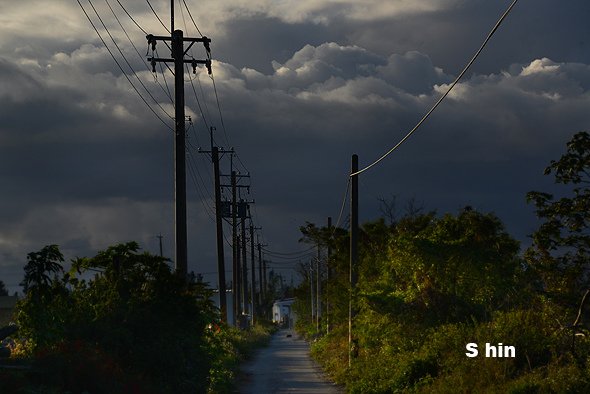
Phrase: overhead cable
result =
(191, 16)
(130, 17)
(167, 90)
(156, 14)
(491, 33)
(121, 68)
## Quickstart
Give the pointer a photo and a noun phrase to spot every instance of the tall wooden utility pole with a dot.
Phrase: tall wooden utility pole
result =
(180, 155)
(329, 253)
(253, 274)
(236, 286)
(244, 263)
(311, 290)
(177, 40)
(354, 228)
(161, 250)
(219, 215)
(264, 279)
(238, 212)
(261, 288)
(318, 286)
(240, 284)
(219, 224)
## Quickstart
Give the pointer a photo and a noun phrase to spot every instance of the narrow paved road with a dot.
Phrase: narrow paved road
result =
(285, 366)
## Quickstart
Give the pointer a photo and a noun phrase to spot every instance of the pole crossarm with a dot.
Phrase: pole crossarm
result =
(152, 41)
(192, 62)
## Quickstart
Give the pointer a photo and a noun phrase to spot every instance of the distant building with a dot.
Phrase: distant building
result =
(7, 304)
(282, 312)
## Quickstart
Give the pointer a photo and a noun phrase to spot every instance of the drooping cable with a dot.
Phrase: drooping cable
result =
(130, 17)
(156, 14)
(167, 90)
(121, 68)
(491, 33)
(192, 19)
(127, 61)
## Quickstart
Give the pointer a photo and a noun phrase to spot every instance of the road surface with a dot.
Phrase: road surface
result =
(285, 366)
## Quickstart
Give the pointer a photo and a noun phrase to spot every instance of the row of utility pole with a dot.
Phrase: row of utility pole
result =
(238, 210)
(235, 211)
(316, 294)
(246, 296)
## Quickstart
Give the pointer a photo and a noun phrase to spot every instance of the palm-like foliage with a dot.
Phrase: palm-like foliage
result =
(40, 267)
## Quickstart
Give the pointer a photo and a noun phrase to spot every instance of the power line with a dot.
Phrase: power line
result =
(344, 200)
(130, 17)
(183, 20)
(169, 93)
(126, 61)
(196, 167)
(121, 68)
(208, 209)
(192, 19)
(289, 253)
(156, 14)
(167, 90)
(198, 101)
(496, 26)
(290, 259)
(221, 119)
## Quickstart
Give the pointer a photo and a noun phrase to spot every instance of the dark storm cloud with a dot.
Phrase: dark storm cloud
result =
(257, 41)
(302, 86)
(324, 112)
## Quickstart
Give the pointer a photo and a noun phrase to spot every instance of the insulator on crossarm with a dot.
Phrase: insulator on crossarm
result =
(208, 65)
(151, 41)
(194, 64)
(153, 62)
(206, 42)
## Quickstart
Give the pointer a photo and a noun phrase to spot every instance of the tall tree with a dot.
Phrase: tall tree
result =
(561, 246)
(3, 290)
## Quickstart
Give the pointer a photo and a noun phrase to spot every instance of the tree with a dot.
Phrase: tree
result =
(40, 266)
(119, 315)
(3, 290)
(560, 253)
(447, 268)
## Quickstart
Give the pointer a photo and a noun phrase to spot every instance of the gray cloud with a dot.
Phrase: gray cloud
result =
(302, 85)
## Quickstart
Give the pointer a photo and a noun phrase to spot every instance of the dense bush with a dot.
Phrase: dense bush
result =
(426, 290)
(122, 322)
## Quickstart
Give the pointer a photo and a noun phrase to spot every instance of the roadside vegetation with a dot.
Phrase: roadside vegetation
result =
(430, 284)
(120, 322)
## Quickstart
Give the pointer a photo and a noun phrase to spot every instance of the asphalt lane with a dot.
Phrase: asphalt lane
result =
(285, 366)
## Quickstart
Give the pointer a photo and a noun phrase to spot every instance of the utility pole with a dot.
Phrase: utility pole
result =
(171, 15)
(219, 215)
(311, 290)
(261, 281)
(236, 213)
(178, 52)
(264, 279)
(236, 256)
(161, 250)
(318, 290)
(244, 265)
(253, 270)
(329, 253)
(354, 224)
(240, 285)
(219, 224)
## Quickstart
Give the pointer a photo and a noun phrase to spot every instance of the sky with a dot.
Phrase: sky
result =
(301, 86)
